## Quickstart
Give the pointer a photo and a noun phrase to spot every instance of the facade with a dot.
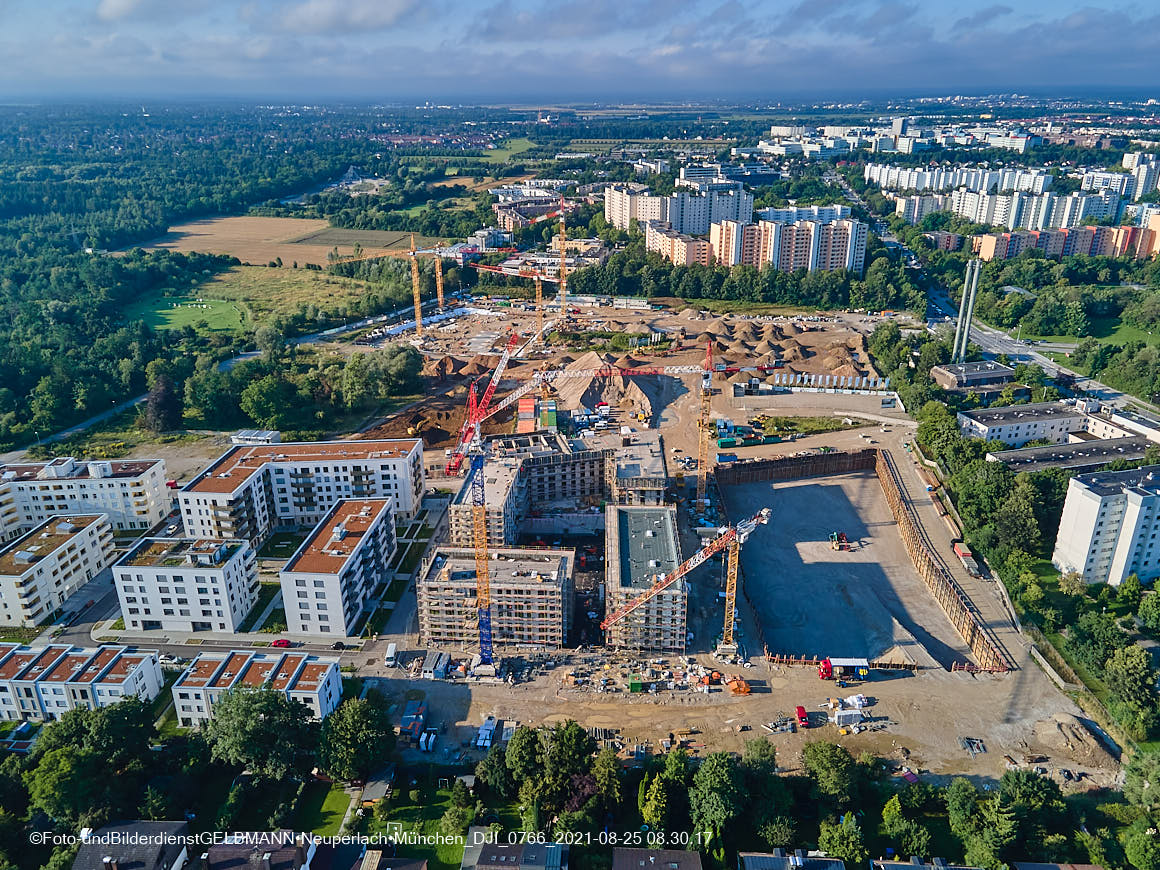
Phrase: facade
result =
(42, 568)
(328, 583)
(248, 492)
(1118, 183)
(187, 584)
(1015, 425)
(792, 213)
(1034, 211)
(44, 683)
(1109, 525)
(676, 247)
(952, 376)
(131, 493)
(889, 177)
(313, 680)
(540, 471)
(813, 245)
(913, 209)
(531, 598)
(687, 211)
(641, 544)
(1102, 241)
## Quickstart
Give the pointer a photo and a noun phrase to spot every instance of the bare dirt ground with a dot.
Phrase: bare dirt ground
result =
(812, 600)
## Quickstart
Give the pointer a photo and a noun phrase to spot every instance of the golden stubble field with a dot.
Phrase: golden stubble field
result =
(260, 240)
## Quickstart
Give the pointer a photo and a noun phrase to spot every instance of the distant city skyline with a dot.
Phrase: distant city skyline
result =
(574, 50)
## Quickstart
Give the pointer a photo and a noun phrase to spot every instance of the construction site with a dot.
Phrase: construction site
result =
(606, 559)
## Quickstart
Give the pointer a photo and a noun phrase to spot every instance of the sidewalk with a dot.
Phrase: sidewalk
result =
(214, 639)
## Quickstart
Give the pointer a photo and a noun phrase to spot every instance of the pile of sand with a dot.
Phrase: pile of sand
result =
(1064, 734)
(848, 370)
(765, 346)
(718, 327)
(480, 365)
(690, 314)
(793, 353)
(790, 329)
(442, 368)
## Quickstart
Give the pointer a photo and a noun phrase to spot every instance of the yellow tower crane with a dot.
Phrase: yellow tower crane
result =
(438, 277)
(704, 434)
(415, 289)
(563, 266)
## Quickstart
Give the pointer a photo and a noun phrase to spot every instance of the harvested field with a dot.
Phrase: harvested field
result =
(260, 240)
(867, 602)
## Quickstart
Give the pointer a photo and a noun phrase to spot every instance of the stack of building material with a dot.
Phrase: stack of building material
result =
(526, 415)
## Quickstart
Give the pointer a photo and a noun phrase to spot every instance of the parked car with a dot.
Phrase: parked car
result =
(281, 643)
(338, 644)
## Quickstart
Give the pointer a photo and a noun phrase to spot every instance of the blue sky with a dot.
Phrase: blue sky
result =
(571, 50)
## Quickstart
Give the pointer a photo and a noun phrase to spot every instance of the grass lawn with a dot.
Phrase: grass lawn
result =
(507, 150)
(321, 808)
(806, 425)
(245, 295)
(276, 623)
(190, 309)
(266, 593)
(113, 438)
(422, 819)
(281, 545)
(1109, 330)
(17, 634)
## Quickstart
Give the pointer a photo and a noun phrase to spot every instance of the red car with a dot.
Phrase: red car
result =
(281, 643)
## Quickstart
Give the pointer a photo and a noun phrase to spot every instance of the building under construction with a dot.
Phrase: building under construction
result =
(531, 598)
(642, 544)
(556, 477)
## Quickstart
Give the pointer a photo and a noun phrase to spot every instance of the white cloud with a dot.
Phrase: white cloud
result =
(334, 16)
(114, 10)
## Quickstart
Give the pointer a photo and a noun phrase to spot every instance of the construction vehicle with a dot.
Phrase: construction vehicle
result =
(726, 537)
(737, 685)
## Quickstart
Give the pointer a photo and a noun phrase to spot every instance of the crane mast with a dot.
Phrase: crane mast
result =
(703, 434)
(415, 289)
(439, 278)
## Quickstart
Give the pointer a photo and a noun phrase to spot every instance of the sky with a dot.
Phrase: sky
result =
(504, 51)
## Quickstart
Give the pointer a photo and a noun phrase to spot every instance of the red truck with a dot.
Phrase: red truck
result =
(802, 718)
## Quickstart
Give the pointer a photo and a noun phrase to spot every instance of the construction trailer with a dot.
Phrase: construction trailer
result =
(844, 669)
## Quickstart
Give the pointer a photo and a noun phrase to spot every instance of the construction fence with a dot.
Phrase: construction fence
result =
(988, 652)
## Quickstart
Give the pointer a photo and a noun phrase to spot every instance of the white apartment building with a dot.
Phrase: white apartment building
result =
(791, 213)
(1109, 526)
(1118, 183)
(913, 209)
(42, 568)
(313, 680)
(131, 493)
(1145, 178)
(186, 584)
(328, 582)
(250, 491)
(1015, 425)
(889, 177)
(687, 211)
(44, 683)
(816, 246)
(1033, 212)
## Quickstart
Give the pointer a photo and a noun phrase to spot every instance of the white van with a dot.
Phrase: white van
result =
(392, 657)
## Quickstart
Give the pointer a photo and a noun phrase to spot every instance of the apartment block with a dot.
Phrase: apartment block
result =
(531, 598)
(640, 545)
(525, 471)
(44, 683)
(560, 480)
(813, 245)
(792, 213)
(686, 211)
(1015, 425)
(1096, 241)
(913, 209)
(42, 568)
(1109, 526)
(889, 177)
(328, 583)
(131, 493)
(678, 248)
(187, 584)
(249, 492)
(1118, 183)
(312, 680)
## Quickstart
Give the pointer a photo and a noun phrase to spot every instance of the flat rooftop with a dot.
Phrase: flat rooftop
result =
(22, 554)
(646, 543)
(293, 671)
(643, 456)
(1086, 453)
(28, 664)
(1145, 478)
(508, 567)
(976, 368)
(338, 536)
(176, 552)
(68, 468)
(236, 465)
(1026, 413)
